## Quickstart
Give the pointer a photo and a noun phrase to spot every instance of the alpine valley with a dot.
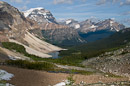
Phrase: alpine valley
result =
(36, 49)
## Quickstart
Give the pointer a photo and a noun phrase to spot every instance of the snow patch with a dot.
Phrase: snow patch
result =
(77, 26)
(68, 21)
(5, 75)
(111, 28)
(15, 57)
(111, 23)
(26, 13)
(6, 84)
(117, 30)
(62, 83)
(93, 26)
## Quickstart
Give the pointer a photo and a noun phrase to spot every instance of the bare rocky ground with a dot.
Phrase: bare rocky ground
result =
(25, 77)
(3, 56)
(115, 62)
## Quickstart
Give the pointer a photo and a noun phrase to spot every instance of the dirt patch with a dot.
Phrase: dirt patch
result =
(25, 77)
(3, 56)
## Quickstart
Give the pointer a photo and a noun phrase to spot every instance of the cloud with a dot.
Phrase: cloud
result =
(100, 14)
(121, 2)
(20, 1)
(22, 4)
(66, 1)
(23, 8)
(126, 13)
(17, 1)
(78, 6)
(127, 2)
(126, 22)
(101, 2)
(63, 1)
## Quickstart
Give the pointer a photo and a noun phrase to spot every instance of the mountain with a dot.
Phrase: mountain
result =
(61, 35)
(108, 24)
(70, 31)
(112, 42)
(71, 23)
(58, 34)
(40, 15)
(14, 27)
(114, 61)
(92, 31)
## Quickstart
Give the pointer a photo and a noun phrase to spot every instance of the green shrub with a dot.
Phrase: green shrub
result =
(14, 46)
(31, 65)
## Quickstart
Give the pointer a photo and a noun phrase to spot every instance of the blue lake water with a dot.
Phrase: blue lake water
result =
(54, 54)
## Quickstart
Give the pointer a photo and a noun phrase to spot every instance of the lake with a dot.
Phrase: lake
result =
(54, 54)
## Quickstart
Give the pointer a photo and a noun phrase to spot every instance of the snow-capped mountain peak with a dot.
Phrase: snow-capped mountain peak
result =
(40, 15)
(26, 13)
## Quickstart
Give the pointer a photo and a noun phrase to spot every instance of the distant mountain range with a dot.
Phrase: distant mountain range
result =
(70, 31)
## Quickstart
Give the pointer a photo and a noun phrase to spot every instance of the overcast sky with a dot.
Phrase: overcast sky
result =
(80, 9)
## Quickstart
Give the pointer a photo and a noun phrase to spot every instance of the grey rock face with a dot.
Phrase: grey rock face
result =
(8, 16)
(59, 34)
(13, 24)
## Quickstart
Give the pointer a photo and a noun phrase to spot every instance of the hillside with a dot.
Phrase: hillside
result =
(114, 41)
(75, 55)
(116, 62)
(14, 27)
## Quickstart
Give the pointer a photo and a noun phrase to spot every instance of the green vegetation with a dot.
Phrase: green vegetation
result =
(75, 55)
(70, 80)
(14, 46)
(44, 66)
(2, 81)
(31, 65)
(63, 60)
(112, 75)
(82, 72)
(89, 50)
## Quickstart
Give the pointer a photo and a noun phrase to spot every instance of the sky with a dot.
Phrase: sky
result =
(80, 9)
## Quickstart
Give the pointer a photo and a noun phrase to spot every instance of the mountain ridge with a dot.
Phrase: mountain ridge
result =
(15, 28)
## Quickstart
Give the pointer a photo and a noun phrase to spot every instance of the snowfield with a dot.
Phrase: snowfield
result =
(62, 83)
(5, 75)
(6, 84)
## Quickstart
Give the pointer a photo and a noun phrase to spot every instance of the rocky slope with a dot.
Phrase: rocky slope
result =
(61, 35)
(52, 32)
(14, 27)
(116, 62)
